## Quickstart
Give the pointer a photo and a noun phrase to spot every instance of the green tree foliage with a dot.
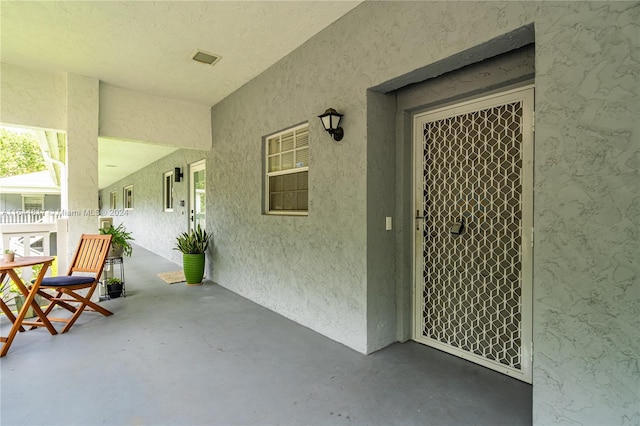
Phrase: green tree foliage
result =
(19, 154)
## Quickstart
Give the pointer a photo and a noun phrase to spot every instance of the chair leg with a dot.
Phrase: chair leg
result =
(84, 302)
(53, 302)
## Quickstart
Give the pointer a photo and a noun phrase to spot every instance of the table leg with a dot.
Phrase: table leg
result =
(29, 302)
(6, 309)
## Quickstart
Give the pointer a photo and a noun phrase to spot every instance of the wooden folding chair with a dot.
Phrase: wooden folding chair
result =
(88, 259)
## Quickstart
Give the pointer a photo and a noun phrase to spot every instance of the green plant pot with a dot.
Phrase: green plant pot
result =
(20, 299)
(193, 266)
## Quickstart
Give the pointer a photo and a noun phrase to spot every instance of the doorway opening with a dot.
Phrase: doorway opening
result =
(473, 230)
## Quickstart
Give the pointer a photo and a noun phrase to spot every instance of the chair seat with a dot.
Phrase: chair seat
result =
(89, 257)
(65, 280)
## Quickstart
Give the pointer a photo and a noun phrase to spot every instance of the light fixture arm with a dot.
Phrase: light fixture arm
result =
(337, 134)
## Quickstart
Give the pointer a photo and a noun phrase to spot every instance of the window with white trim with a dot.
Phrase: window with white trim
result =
(127, 197)
(113, 199)
(287, 172)
(32, 202)
(168, 191)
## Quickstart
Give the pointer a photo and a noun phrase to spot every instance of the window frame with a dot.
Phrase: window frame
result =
(290, 171)
(32, 197)
(127, 202)
(167, 191)
(113, 200)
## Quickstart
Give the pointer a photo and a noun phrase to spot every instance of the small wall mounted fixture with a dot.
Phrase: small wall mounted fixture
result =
(178, 174)
(331, 122)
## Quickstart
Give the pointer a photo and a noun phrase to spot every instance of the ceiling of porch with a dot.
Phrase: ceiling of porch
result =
(147, 46)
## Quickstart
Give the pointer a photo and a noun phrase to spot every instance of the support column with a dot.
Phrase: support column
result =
(82, 156)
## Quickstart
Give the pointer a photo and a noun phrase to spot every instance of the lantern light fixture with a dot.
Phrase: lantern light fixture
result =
(178, 174)
(331, 122)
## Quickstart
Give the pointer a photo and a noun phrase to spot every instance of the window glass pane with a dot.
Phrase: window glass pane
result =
(128, 197)
(287, 142)
(275, 201)
(273, 146)
(275, 183)
(287, 160)
(167, 195)
(290, 202)
(274, 163)
(290, 182)
(302, 138)
(168, 191)
(33, 202)
(199, 179)
(303, 180)
(302, 157)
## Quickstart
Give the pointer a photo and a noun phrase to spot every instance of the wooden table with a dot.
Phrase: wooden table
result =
(10, 268)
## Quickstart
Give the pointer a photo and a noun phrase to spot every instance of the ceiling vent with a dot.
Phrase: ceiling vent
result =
(205, 57)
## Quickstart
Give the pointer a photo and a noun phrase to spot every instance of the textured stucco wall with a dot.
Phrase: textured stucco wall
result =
(82, 156)
(152, 227)
(33, 98)
(381, 203)
(315, 269)
(130, 115)
(586, 273)
(310, 269)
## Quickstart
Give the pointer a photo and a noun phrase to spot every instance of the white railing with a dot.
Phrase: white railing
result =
(33, 239)
(29, 216)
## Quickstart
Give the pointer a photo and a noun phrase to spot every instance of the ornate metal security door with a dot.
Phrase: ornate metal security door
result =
(474, 231)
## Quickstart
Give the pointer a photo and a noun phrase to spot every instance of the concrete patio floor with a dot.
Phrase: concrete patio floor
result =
(178, 355)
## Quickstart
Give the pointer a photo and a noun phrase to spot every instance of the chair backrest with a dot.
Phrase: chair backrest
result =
(90, 254)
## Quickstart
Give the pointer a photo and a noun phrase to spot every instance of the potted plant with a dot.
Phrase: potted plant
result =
(8, 256)
(193, 245)
(19, 299)
(119, 240)
(114, 287)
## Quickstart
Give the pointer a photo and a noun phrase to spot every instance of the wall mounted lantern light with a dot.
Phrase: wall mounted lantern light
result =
(178, 174)
(331, 122)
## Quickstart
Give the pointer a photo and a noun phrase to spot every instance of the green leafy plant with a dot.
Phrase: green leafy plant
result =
(195, 241)
(8, 256)
(35, 269)
(119, 238)
(114, 281)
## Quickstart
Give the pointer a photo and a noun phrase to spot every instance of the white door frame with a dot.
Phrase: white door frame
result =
(193, 169)
(526, 95)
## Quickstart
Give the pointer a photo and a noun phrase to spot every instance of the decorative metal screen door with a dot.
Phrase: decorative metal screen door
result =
(474, 230)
